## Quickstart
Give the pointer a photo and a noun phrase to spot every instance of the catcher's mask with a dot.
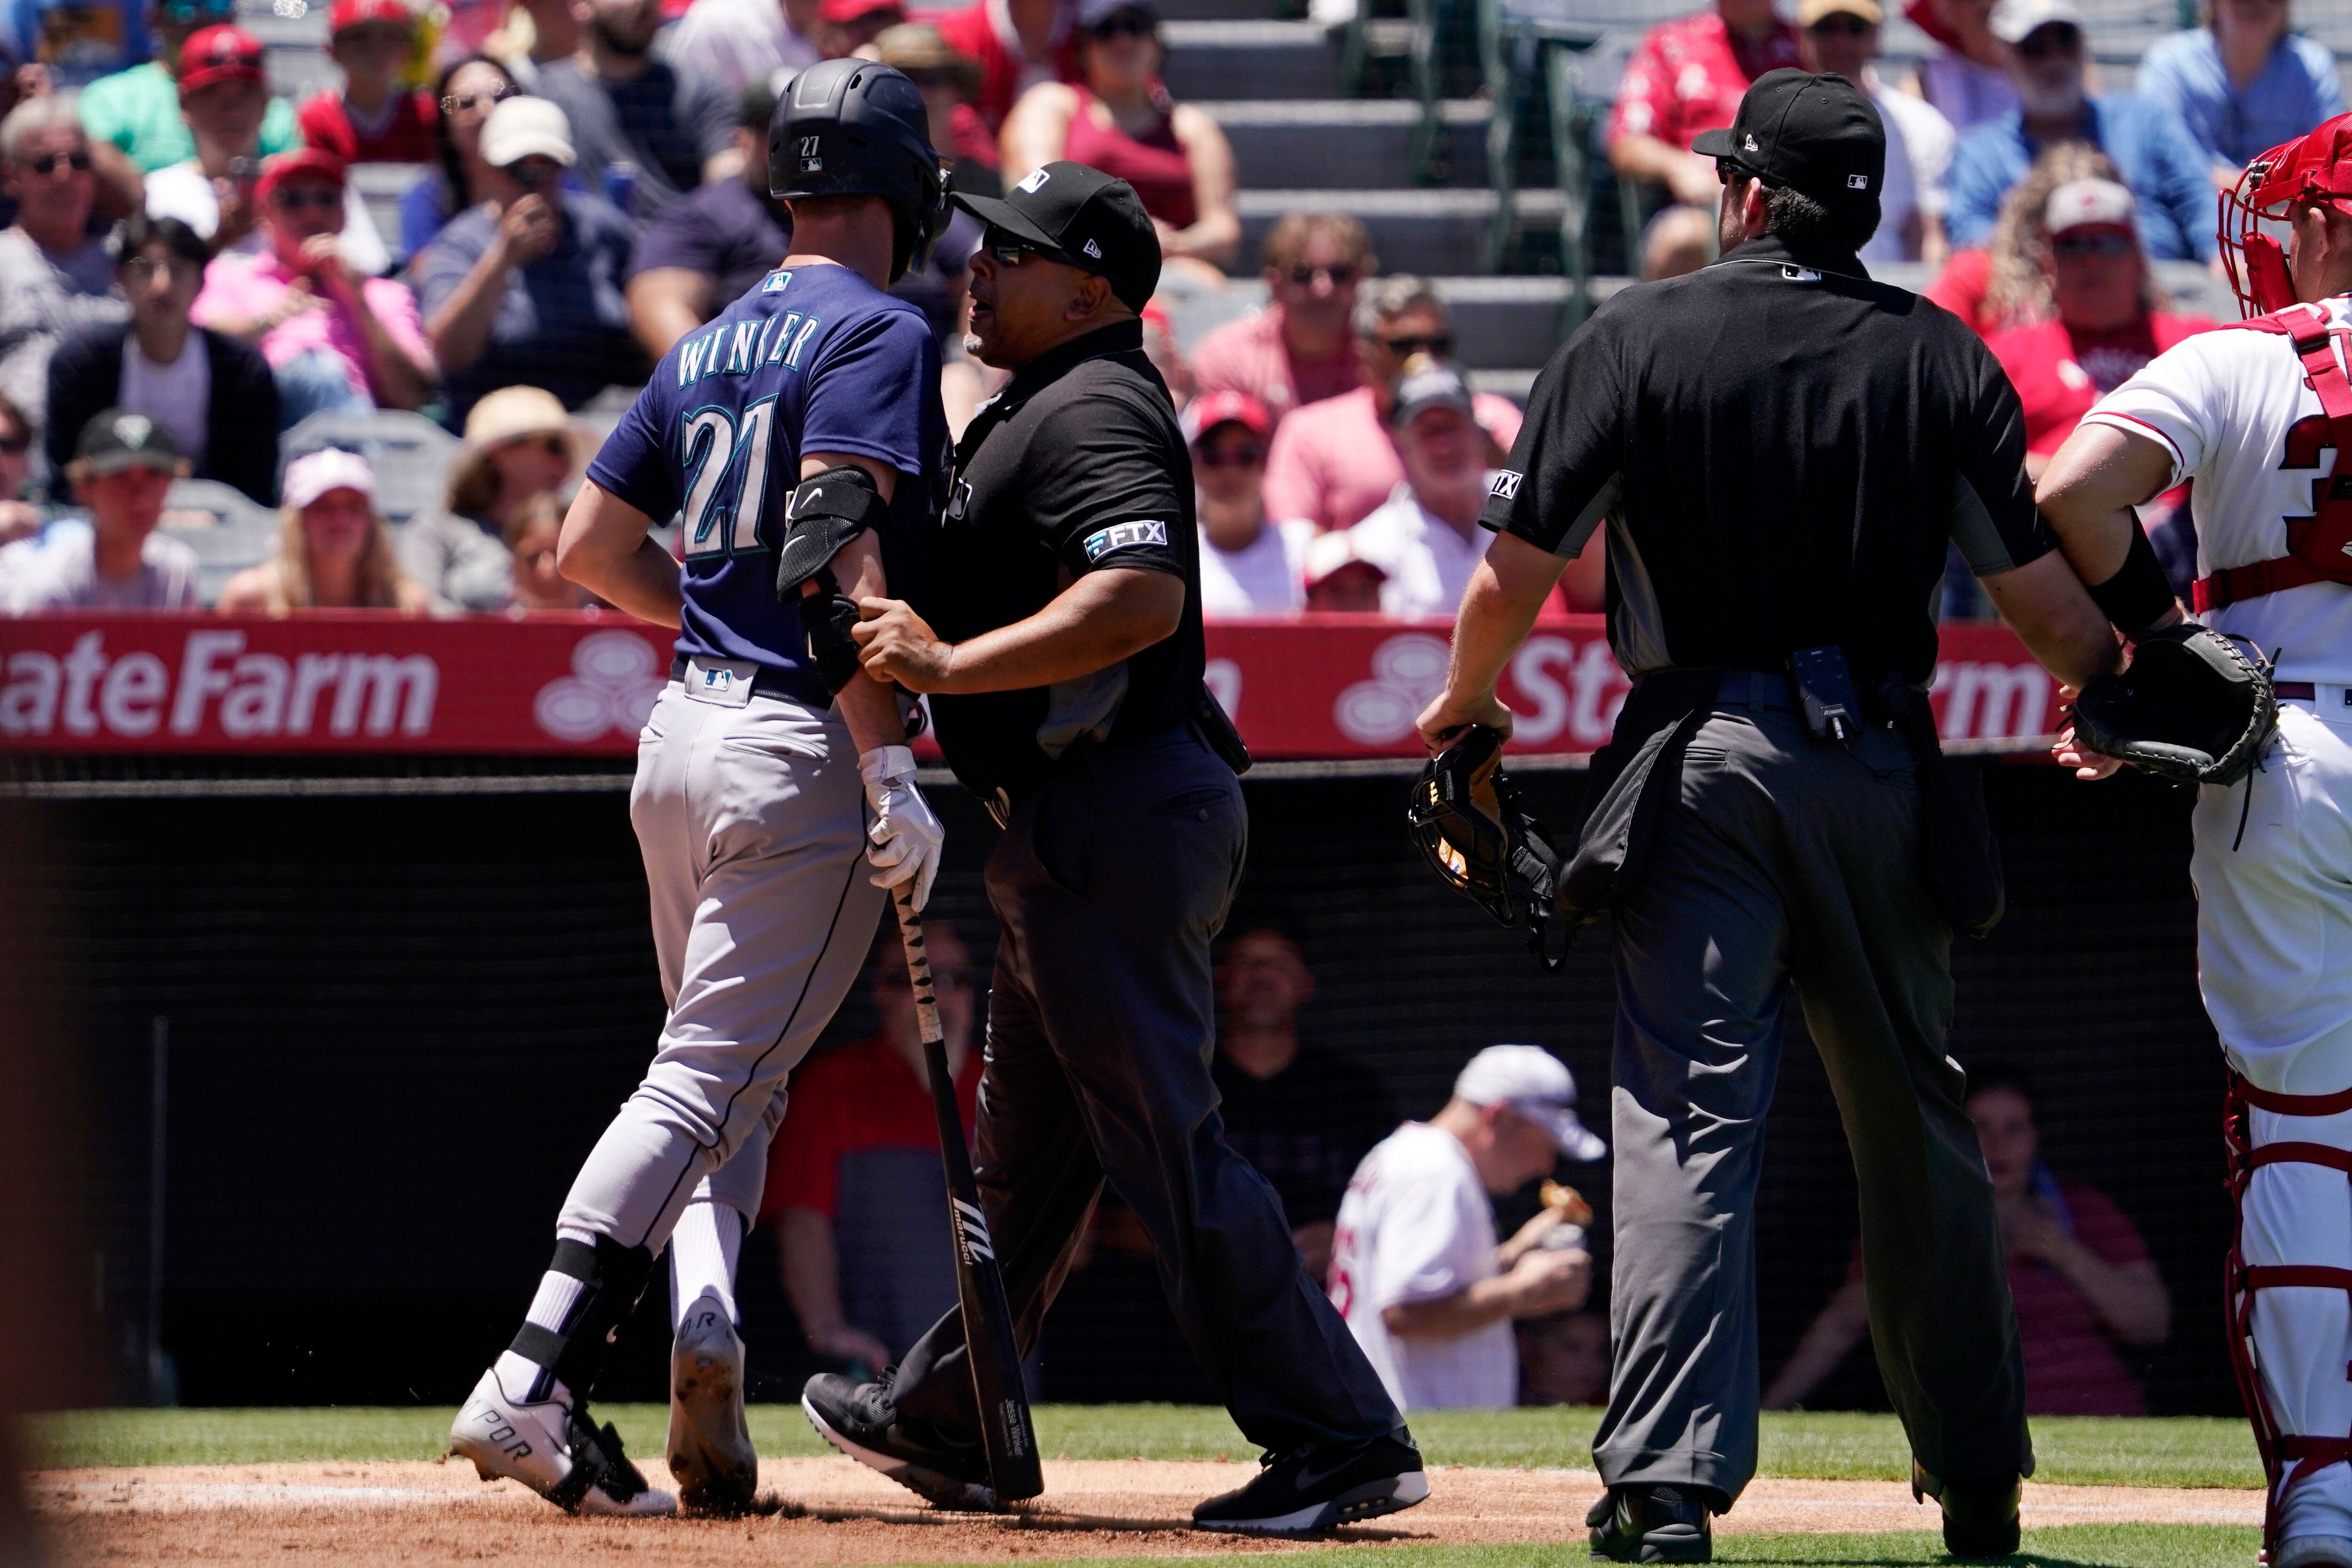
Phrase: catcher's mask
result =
(2314, 167)
(1466, 817)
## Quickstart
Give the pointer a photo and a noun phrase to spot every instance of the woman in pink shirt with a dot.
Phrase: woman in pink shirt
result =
(335, 339)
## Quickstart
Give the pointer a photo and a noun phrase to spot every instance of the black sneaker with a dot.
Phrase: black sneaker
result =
(862, 1421)
(1312, 1488)
(1654, 1523)
(1979, 1516)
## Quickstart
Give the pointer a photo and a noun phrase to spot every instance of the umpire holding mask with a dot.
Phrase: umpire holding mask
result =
(1061, 646)
(1780, 452)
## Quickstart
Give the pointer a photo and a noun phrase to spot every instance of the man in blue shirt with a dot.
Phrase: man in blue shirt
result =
(2160, 162)
(807, 415)
(2245, 84)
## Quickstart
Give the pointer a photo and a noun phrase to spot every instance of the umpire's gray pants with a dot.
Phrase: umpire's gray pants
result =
(751, 821)
(1783, 861)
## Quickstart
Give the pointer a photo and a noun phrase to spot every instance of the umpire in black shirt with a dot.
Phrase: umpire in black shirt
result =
(1061, 644)
(1779, 450)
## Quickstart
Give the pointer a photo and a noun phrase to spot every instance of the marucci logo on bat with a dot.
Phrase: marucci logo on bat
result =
(971, 1230)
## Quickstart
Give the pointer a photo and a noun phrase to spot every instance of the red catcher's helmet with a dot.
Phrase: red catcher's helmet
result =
(2314, 167)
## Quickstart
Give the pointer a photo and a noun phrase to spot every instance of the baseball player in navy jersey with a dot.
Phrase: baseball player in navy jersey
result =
(799, 436)
(2261, 416)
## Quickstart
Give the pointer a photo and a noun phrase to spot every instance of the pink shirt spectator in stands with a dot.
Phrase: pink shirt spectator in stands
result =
(249, 288)
(1250, 356)
(1334, 462)
(1689, 75)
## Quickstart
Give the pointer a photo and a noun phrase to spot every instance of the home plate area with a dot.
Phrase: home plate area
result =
(832, 1511)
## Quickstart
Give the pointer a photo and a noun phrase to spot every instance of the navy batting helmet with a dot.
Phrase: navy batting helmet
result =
(857, 127)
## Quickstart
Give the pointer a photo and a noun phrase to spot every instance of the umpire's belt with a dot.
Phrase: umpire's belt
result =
(766, 680)
(1080, 755)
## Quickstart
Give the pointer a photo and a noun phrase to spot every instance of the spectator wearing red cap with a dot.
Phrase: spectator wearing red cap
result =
(375, 119)
(1119, 117)
(1333, 461)
(642, 132)
(224, 99)
(1302, 347)
(1248, 566)
(138, 111)
(845, 26)
(334, 551)
(1018, 44)
(736, 43)
(334, 337)
(1689, 75)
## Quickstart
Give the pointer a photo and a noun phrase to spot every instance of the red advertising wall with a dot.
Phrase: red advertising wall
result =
(1338, 686)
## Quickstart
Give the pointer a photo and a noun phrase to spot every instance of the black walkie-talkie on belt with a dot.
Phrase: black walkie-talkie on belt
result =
(1825, 691)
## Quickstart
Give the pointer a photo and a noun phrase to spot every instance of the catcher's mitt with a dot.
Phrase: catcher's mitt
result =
(1466, 817)
(2193, 705)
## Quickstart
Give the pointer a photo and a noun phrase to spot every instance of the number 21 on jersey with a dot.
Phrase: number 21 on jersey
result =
(729, 461)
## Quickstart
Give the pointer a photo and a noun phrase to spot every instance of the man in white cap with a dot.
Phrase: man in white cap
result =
(1415, 1268)
(526, 289)
(2152, 151)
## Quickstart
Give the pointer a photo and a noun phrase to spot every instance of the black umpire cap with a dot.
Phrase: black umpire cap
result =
(1070, 213)
(1818, 135)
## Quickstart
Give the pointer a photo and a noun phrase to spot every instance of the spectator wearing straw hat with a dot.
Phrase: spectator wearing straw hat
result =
(528, 288)
(334, 551)
(373, 118)
(520, 447)
(704, 250)
(335, 338)
(1250, 564)
(122, 468)
(213, 393)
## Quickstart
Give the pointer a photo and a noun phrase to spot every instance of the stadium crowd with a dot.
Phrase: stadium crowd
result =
(183, 248)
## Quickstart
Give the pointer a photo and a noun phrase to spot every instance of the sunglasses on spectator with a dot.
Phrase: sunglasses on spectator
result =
(1248, 457)
(1341, 274)
(2052, 38)
(140, 268)
(1845, 23)
(464, 102)
(945, 977)
(15, 445)
(46, 163)
(1438, 343)
(1135, 24)
(2092, 245)
(294, 198)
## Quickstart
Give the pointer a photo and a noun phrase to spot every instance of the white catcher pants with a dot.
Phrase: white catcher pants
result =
(2275, 962)
(751, 821)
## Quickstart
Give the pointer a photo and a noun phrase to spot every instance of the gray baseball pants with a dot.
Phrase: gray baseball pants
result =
(751, 821)
(1782, 861)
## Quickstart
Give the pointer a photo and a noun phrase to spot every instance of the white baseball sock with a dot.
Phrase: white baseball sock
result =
(703, 1251)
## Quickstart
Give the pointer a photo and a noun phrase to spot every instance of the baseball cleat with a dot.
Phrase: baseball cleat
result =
(710, 1454)
(553, 1451)
(1652, 1523)
(1313, 1489)
(2314, 1552)
(859, 1419)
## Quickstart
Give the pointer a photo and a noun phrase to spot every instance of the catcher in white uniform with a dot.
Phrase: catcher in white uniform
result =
(2261, 416)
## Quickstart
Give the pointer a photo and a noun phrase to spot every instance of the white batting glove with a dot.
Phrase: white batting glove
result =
(906, 836)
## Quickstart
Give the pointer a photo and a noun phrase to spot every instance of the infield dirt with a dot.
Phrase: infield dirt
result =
(829, 1511)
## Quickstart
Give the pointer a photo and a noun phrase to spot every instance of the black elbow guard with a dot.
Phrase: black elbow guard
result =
(2138, 595)
(825, 512)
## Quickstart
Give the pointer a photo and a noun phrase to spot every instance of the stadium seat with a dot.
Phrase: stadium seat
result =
(242, 535)
(410, 454)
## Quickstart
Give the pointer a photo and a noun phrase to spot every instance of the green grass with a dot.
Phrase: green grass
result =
(2069, 1546)
(2084, 1451)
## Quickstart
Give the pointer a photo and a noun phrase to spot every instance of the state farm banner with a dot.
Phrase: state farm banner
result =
(1337, 686)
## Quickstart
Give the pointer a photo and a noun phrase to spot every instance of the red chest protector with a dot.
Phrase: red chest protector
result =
(2319, 547)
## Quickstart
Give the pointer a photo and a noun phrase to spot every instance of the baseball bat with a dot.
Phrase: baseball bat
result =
(1006, 1431)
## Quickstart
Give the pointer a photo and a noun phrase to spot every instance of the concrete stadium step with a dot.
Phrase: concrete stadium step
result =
(1346, 143)
(1438, 231)
(1507, 325)
(1252, 59)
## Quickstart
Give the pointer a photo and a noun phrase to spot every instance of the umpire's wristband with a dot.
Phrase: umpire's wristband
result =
(2139, 594)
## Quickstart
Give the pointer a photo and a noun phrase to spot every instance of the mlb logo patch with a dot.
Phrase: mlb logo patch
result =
(775, 283)
(716, 679)
(1857, 182)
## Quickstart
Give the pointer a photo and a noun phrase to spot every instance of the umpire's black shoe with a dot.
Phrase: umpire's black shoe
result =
(1309, 1490)
(862, 1420)
(1654, 1523)
(1979, 1516)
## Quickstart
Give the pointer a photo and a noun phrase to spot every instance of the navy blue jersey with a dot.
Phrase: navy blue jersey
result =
(811, 360)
